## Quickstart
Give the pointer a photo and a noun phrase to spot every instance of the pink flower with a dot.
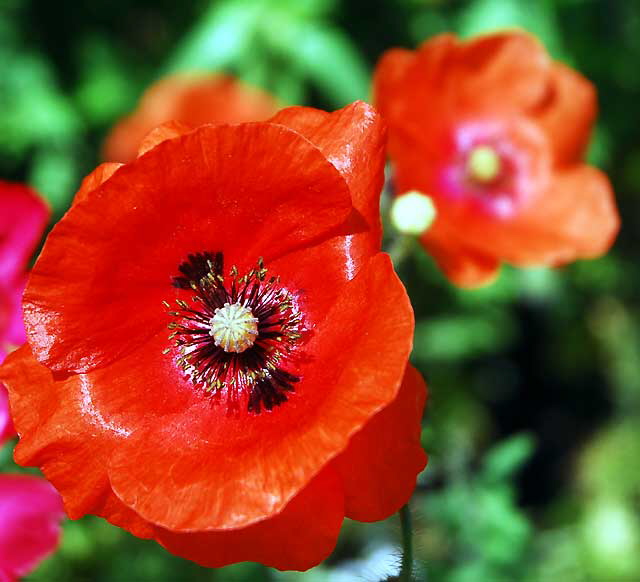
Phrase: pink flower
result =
(23, 217)
(30, 515)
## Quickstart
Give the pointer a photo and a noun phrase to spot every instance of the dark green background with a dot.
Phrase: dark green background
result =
(533, 422)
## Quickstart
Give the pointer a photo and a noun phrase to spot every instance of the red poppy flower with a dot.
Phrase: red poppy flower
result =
(277, 405)
(31, 512)
(23, 217)
(191, 98)
(495, 132)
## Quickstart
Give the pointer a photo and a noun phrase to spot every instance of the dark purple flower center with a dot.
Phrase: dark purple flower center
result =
(237, 337)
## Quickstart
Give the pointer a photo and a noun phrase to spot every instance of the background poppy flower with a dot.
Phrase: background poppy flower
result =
(23, 217)
(191, 98)
(494, 131)
(31, 512)
(243, 435)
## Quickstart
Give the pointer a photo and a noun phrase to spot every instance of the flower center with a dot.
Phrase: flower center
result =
(233, 327)
(239, 336)
(483, 164)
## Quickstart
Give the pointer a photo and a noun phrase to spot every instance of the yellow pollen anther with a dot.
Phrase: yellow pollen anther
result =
(483, 164)
(233, 327)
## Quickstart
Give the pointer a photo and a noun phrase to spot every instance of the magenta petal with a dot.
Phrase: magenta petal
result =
(6, 426)
(30, 515)
(12, 333)
(23, 217)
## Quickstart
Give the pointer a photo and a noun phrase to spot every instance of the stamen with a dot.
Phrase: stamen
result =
(239, 336)
(483, 164)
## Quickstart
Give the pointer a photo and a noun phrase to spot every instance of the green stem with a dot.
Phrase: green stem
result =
(407, 545)
(401, 248)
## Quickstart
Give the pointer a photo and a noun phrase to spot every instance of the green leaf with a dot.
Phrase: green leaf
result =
(504, 459)
(329, 59)
(537, 17)
(223, 33)
(54, 173)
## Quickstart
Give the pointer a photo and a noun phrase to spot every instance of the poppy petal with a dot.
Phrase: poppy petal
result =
(31, 512)
(115, 253)
(568, 113)
(203, 468)
(163, 132)
(298, 538)
(380, 465)
(101, 174)
(463, 265)
(63, 432)
(577, 218)
(352, 139)
(509, 68)
(193, 99)
(391, 74)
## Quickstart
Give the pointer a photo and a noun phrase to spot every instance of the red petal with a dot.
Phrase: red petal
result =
(353, 139)
(576, 218)
(299, 538)
(101, 174)
(168, 130)
(444, 76)
(228, 471)
(506, 70)
(462, 263)
(380, 465)
(23, 217)
(30, 528)
(63, 429)
(568, 113)
(190, 98)
(250, 190)
(63, 432)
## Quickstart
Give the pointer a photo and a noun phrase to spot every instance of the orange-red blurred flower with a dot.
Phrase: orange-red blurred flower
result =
(494, 131)
(282, 400)
(23, 217)
(191, 98)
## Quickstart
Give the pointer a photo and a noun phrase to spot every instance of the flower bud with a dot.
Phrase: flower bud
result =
(412, 213)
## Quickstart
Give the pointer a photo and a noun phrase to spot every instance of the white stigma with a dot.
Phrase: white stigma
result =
(233, 327)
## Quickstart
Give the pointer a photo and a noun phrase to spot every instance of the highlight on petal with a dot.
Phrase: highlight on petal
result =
(353, 139)
(31, 512)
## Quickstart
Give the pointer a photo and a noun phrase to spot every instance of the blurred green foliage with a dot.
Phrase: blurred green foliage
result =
(534, 414)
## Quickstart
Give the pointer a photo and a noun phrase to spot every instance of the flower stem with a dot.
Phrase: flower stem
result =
(407, 545)
(401, 248)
